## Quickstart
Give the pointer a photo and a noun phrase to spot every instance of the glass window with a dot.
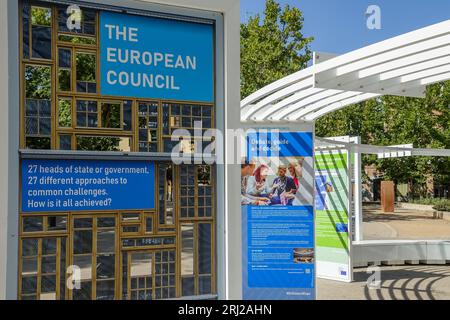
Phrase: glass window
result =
(204, 248)
(65, 112)
(131, 217)
(29, 247)
(86, 72)
(26, 31)
(106, 241)
(87, 24)
(41, 32)
(87, 114)
(82, 241)
(148, 126)
(127, 115)
(187, 249)
(149, 224)
(106, 222)
(56, 223)
(111, 115)
(65, 142)
(32, 224)
(37, 106)
(103, 143)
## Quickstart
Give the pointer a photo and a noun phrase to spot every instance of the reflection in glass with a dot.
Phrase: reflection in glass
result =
(141, 264)
(204, 248)
(187, 249)
(84, 262)
(32, 224)
(111, 114)
(65, 113)
(82, 241)
(103, 143)
(106, 241)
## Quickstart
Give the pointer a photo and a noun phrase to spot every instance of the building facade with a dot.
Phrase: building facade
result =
(169, 250)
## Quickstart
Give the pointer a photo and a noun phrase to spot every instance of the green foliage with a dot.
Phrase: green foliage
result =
(398, 120)
(272, 47)
(443, 206)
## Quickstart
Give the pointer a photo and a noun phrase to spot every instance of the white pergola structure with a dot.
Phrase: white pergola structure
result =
(402, 66)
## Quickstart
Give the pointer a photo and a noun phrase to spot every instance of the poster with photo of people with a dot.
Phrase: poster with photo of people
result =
(277, 199)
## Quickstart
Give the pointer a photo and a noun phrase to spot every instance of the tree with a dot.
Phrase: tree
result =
(392, 120)
(272, 47)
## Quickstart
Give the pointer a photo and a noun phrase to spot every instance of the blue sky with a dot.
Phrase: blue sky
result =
(339, 26)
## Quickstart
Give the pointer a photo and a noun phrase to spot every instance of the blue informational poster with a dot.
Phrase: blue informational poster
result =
(277, 198)
(81, 185)
(147, 57)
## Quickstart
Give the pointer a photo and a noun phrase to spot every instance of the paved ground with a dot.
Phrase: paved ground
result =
(397, 283)
(423, 282)
(404, 225)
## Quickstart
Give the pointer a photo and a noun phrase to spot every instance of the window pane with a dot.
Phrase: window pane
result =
(29, 266)
(29, 285)
(187, 249)
(187, 286)
(48, 246)
(85, 264)
(38, 82)
(105, 266)
(48, 284)
(127, 115)
(37, 143)
(106, 222)
(26, 31)
(32, 224)
(41, 42)
(131, 229)
(105, 241)
(65, 142)
(64, 80)
(204, 285)
(204, 248)
(65, 58)
(55, 223)
(82, 241)
(84, 293)
(105, 289)
(41, 16)
(111, 115)
(86, 70)
(48, 264)
(65, 112)
(204, 175)
(83, 223)
(131, 217)
(29, 247)
(149, 224)
(91, 143)
(76, 39)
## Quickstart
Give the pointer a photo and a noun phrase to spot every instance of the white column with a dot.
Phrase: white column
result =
(9, 145)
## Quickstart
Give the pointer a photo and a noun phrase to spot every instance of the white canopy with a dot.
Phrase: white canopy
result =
(403, 66)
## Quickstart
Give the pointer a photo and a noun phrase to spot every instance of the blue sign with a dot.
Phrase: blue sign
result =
(81, 185)
(146, 57)
(279, 144)
(278, 253)
(278, 246)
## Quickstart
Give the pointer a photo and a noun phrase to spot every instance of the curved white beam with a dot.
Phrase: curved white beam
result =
(402, 66)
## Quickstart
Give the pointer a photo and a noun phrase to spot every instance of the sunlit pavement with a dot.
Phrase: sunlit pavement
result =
(421, 282)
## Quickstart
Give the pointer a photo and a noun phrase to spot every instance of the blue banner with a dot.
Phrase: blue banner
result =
(81, 185)
(146, 57)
